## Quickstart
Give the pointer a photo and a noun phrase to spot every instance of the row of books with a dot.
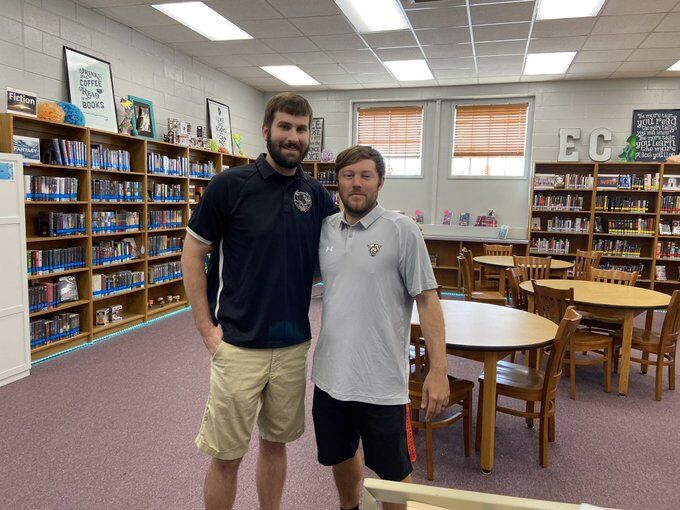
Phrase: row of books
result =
(557, 202)
(617, 247)
(335, 197)
(558, 224)
(668, 249)
(164, 165)
(159, 273)
(326, 177)
(165, 219)
(550, 245)
(57, 151)
(113, 283)
(639, 226)
(161, 192)
(44, 295)
(563, 181)
(670, 204)
(648, 182)
(195, 193)
(53, 224)
(116, 221)
(103, 158)
(52, 189)
(621, 204)
(51, 329)
(161, 245)
(55, 260)
(105, 190)
(672, 228)
(201, 169)
(113, 251)
(629, 268)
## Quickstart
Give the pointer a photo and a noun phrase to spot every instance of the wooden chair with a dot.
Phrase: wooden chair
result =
(534, 386)
(585, 260)
(601, 323)
(533, 268)
(465, 264)
(552, 303)
(662, 344)
(518, 299)
(489, 277)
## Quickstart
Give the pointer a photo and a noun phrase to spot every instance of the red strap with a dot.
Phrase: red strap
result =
(409, 435)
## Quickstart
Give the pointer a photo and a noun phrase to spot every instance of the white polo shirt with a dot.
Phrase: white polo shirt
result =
(372, 271)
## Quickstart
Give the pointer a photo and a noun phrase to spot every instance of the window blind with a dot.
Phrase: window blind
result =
(494, 130)
(395, 131)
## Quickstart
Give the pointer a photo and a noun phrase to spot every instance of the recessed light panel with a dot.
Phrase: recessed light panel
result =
(292, 75)
(202, 19)
(548, 63)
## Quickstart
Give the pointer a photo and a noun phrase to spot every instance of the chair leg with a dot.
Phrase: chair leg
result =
(615, 360)
(529, 409)
(645, 362)
(551, 426)
(572, 374)
(671, 373)
(478, 425)
(608, 369)
(467, 423)
(543, 445)
(429, 450)
(658, 383)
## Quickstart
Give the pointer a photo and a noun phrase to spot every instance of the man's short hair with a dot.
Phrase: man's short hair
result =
(359, 153)
(286, 102)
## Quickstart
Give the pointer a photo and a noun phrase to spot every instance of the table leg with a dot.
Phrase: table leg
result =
(626, 341)
(489, 411)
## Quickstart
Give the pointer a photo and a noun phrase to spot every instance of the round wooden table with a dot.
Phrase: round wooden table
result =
(619, 302)
(502, 262)
(487, 333)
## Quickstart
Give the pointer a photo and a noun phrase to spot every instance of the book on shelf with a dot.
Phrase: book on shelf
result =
(503, 232)
(27, 146)
(51, 224)
(675, 228)
(661, 273)
(57, 151)
(464, 219)
(671, 183)
(104, 158)
(535, 223)
(563, 181)
(664, 228)
(608, 181)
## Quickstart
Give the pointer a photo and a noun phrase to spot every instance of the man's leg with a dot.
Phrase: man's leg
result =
(395, 506)
(271, 474)
(348, 476)
(219, 489)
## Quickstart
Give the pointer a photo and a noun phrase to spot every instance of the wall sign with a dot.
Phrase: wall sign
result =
(219, 124)
(315, 139)
(657, 134)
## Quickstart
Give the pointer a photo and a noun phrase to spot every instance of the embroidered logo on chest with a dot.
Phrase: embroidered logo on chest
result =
(302, 200)
(374, 248)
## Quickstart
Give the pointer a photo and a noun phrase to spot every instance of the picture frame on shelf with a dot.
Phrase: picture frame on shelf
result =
(219, 124)
(535, 223)
(89, 82)
(661, 273)
(625, 181)
(143, 118)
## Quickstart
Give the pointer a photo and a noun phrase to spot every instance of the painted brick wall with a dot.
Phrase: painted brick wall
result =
(33, 32)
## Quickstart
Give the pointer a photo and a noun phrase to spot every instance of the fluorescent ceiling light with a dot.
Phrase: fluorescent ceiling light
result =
(548, 63)
(292, 75)
(202, 19)
(674, 67)
(409, 70)
(374, 15)
(558, 9)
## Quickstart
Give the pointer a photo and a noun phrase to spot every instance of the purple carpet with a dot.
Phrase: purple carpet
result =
(112, 427)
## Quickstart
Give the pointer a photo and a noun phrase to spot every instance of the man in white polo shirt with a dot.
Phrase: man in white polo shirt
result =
(374, 264)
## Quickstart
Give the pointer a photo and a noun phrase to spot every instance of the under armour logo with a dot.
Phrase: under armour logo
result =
(329, 248)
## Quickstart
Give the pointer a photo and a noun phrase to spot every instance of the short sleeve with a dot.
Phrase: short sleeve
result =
(206, 223)
(414, 260)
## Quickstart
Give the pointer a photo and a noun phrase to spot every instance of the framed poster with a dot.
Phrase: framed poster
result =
(658, 134)
(315, 139)
(90, 88)
(219, 124)
(143, 119)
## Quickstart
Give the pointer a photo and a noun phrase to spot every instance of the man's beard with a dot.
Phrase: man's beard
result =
(359, 211)
(286, 162)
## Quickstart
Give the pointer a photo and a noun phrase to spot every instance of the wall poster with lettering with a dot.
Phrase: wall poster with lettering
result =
(315, 139)
(90, 88)
(219, 124)
(658, 136)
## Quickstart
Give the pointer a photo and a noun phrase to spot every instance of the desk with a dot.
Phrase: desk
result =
(503, 262)
(488, 333)
(619, 302)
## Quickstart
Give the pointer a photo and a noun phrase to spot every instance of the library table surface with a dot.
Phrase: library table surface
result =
(619, 302)
(488, 333)
(502, 262)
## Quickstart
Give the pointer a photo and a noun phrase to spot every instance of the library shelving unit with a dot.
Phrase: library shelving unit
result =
(324, 172)
(135, 299)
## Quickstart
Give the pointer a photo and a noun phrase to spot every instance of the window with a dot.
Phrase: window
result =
(395, 131)
(489, 140)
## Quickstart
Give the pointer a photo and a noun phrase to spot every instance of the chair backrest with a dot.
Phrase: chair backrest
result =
(514, 278)
(497, 249)
(612, 276)
(553, 369)
(465, 267)
(552, 303)
(584, 260)
(533, 268)
(670, 330)
(418, 355)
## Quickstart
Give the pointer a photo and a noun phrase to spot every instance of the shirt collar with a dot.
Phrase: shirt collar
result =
(367, 220)
(266, 170)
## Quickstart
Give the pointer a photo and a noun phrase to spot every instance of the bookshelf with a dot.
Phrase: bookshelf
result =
(97, 239)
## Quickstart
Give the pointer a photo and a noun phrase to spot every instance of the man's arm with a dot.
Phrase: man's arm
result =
(195, 283)
(436, 386)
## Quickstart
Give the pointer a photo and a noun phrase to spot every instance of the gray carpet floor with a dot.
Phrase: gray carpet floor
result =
(111, 426)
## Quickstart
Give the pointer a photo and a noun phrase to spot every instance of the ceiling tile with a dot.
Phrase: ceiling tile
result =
(613, 7)
(500, 48)
(631, 74)
(244, 72)
(343, 56)
(348, 86)
(626, 24)
(323, 25)
(301, 8)
(602, 56)
(451, 63)
(438, 17)
(290, 44)
(224, 61)
(497, 66)
(501, 32)
(669, 24)
(381, 85)
(390, 39)
(175, 34)
(334, 79)
(655, 65)
(210, 48)
(551, 44)
(454, 82)
(235, 10)
(501, 13)
(613, 42)
(448, 50)
(498, 79)
(655, 54)
(593, 67)
(339, 42)
(662, 40)
(399, 54)
(267, 59)
(363, 68)
(138, 16)
(443, 74)
(418, 83)
(322, 69)
(271, 84)
(373, 77)
(270, 28)
(563, 27)
(586, 76)
(310, 57)
(443, 35)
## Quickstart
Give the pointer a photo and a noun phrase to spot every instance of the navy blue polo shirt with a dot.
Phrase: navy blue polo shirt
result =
(264, 229)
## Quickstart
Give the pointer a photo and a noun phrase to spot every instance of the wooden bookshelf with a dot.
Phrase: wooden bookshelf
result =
(134, 301)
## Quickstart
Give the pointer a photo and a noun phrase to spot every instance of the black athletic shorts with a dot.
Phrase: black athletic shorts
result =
(339, 425)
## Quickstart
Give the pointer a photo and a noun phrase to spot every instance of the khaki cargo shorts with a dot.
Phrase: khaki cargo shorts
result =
(245, 383)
